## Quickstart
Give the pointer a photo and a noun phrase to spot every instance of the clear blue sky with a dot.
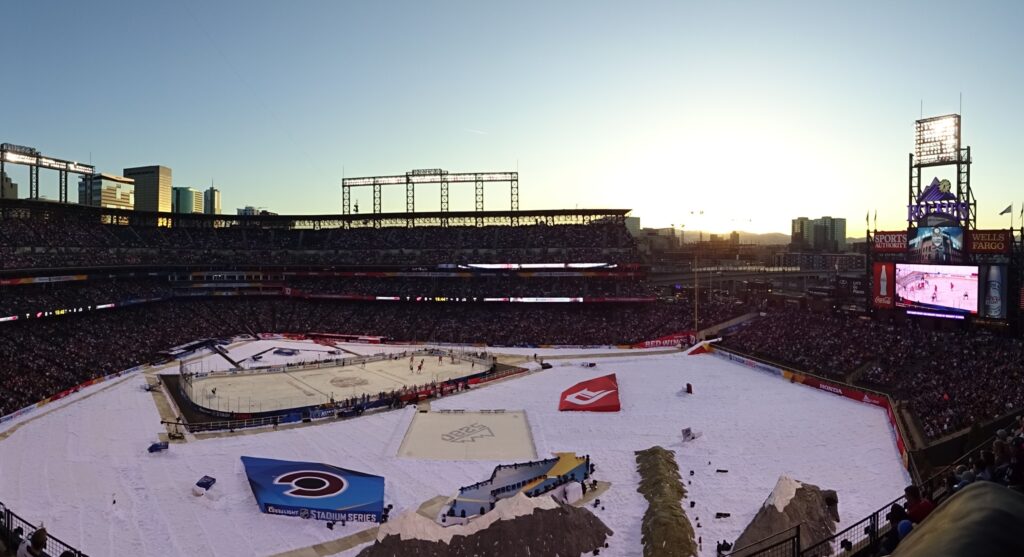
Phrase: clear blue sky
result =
(754, 112)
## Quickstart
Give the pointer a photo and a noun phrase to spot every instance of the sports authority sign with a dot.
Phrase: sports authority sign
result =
(883, 285)
(989, 241)
(890, 242)
(600, 394)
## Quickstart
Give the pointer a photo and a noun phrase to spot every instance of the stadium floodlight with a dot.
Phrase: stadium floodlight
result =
(18, 158)
(937, 140)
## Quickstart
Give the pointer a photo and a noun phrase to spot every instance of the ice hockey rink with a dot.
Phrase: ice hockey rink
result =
(262, 391)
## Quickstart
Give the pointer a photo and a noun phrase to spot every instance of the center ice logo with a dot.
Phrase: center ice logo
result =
(468, 434)
(586, 396)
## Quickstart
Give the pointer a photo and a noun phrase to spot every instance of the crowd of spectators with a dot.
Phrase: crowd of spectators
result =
(949, 379)
(485, 286)
(809, 341)
(42, 357)
(28, 241)
(39, 298)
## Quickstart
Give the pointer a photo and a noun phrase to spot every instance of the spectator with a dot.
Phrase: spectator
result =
(35, 545)
(918, 508)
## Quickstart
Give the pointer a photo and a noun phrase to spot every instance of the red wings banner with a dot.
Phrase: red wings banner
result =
(600, 394)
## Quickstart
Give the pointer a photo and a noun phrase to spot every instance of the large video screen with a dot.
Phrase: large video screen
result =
(937, 244)
(944, 290)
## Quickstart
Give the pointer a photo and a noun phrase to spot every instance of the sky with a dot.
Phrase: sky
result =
(704, 115)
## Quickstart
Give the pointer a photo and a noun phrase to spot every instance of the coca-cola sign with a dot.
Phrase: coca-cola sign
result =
(883, 285)
(890, 242)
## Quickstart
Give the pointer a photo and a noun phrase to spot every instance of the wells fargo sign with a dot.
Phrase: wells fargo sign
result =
(988, 241)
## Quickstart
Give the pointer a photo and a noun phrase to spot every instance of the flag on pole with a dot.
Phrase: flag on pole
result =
(1008, 209)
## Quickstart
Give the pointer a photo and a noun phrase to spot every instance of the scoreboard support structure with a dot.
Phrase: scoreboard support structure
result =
(432, 176)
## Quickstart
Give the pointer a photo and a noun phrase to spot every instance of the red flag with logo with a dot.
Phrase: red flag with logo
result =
(600, 394)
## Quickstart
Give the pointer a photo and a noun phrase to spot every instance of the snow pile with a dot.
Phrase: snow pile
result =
(666, 528)
(411, 525)
(784, 491)
(791, 503)
(519, 525)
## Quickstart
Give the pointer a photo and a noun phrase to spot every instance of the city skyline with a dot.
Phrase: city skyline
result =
(732, 116)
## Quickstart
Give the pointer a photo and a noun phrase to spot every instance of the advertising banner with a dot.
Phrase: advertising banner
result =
(890, 242)
(858, 287)
(674, 339)
(314, 490)
(989, 241)
(600, 394)
(883, 282)
(992, 291)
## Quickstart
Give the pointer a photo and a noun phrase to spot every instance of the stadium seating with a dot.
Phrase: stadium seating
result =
(950, 380)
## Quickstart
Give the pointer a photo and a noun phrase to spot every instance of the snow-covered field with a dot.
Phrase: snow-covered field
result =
(68, 467)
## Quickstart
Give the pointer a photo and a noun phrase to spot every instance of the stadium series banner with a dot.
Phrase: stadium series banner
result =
(989, 241)
(314, 490)
(890, 242)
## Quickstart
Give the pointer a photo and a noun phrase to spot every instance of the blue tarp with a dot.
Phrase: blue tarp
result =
(314, 490)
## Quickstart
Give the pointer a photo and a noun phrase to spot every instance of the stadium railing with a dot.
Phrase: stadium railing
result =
(783, 544)
(863, 537)
(865, 534)
(936, 486)
(14, 529)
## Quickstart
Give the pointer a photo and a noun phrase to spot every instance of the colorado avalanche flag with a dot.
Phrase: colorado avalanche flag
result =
(600, 394)
(312, 490)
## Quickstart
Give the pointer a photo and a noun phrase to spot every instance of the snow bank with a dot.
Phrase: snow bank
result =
(411, 525)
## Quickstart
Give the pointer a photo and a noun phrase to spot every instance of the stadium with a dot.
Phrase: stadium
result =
(412, 311)
(405, 355)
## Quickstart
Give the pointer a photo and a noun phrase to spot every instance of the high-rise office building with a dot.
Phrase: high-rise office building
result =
(802, 233)
(211, 201)
(106, 190)
(250, 211)
(8, 189)
(826, 234)
(186, 200)
(152, 187)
